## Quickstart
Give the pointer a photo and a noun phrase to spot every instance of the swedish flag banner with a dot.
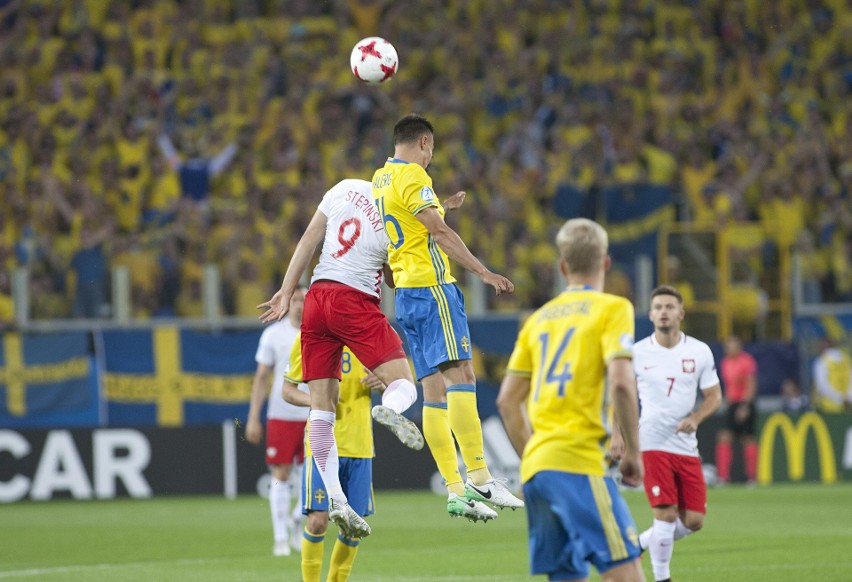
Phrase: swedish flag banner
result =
(633, 216)
(47, 379)
(172, 377)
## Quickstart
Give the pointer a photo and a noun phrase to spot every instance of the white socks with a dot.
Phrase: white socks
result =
(660, 547)
(279, 504)
(324, 451)
(295, 483)
(399, 395)
(681, 531)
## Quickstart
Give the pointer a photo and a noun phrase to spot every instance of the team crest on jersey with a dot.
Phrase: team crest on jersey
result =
(688, 366)
(427, 194)
(319, 495)
(465, 344)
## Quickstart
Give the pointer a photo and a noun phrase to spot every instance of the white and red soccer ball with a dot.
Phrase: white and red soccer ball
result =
(374, 60)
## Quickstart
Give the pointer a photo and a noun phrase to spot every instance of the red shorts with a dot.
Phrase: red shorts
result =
(336, 315)
(672, 479)
(285, 441)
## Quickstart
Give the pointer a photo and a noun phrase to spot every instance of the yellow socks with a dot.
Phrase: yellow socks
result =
(464, 420)
(341, 559)
(436, 431)
(312, 550)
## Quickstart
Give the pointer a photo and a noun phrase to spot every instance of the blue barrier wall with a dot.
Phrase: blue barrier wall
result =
(168, 376)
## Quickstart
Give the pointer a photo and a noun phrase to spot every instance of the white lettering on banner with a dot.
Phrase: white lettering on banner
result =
(117, 454)
(109, 467)
(60, 468)
(15, 488)
(847, 450)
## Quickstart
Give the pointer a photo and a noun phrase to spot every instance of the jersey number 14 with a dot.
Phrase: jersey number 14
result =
(552, 377)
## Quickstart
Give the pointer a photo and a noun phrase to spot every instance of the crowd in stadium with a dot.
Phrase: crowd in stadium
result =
(163, 135)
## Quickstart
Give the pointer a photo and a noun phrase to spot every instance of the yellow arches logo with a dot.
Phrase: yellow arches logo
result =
(795, 440)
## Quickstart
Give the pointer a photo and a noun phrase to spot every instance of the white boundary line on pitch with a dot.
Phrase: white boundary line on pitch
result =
(106, 566)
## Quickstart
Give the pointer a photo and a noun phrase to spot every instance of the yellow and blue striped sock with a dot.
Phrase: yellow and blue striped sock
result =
(312, 551)
(342, 558)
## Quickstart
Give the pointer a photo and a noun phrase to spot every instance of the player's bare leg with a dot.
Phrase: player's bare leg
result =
(629, 572)
(690, 521)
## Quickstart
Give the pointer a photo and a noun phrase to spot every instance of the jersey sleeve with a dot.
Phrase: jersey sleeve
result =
(417, 193)
(520, 362)
(709, 377)
(618, 333)
(265, 352)
(294, 373)
(325, 204)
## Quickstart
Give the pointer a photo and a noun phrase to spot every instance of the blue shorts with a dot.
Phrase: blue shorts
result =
(356, 478)
(435, 325)
(576, 519)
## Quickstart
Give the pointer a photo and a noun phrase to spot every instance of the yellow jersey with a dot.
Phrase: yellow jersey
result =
(353, 427)
(401, 190)
(564, 348)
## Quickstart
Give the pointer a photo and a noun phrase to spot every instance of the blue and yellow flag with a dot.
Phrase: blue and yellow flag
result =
(633, 216)
(47, 380)
(172, 377)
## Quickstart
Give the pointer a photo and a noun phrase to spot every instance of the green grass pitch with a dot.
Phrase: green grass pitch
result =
(785, 532)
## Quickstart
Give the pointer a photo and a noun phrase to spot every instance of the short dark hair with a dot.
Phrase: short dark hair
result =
(667, 290)
(410, 128)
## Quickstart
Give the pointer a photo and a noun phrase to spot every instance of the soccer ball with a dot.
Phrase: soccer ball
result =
(374, 60)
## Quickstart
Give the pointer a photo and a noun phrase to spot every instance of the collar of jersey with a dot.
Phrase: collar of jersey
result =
(396, 161)
(579, 288)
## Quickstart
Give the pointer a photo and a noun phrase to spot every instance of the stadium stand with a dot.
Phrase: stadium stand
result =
(730, 116)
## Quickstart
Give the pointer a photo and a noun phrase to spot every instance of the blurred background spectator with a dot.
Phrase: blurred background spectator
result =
(792, 399)
(832, 378)
(741, 108)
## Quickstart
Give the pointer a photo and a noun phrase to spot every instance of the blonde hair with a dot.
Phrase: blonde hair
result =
(582, 244)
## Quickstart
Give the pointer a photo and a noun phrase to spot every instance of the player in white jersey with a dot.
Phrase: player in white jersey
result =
(670, 368)
(285, 426)
(342, 307)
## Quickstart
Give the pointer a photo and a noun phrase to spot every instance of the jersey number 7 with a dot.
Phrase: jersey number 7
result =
(552, 377)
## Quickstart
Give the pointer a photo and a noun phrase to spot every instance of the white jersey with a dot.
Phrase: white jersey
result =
(668, 379)
(273, 350)
(355, 246)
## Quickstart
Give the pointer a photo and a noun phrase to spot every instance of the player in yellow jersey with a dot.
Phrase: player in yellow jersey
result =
(555, 404)
(353, 431)
(430, 309)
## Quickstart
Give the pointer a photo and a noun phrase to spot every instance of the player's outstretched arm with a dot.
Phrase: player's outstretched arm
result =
(388, 273)
(625, 403)
(291, 393)
(259, 390)
(455, 201)
(712, 402)
(511, 403)
(452, 244)
(373, 382)
(278, 306)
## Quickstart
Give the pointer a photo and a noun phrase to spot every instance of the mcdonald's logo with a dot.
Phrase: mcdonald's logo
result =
(795, 440)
